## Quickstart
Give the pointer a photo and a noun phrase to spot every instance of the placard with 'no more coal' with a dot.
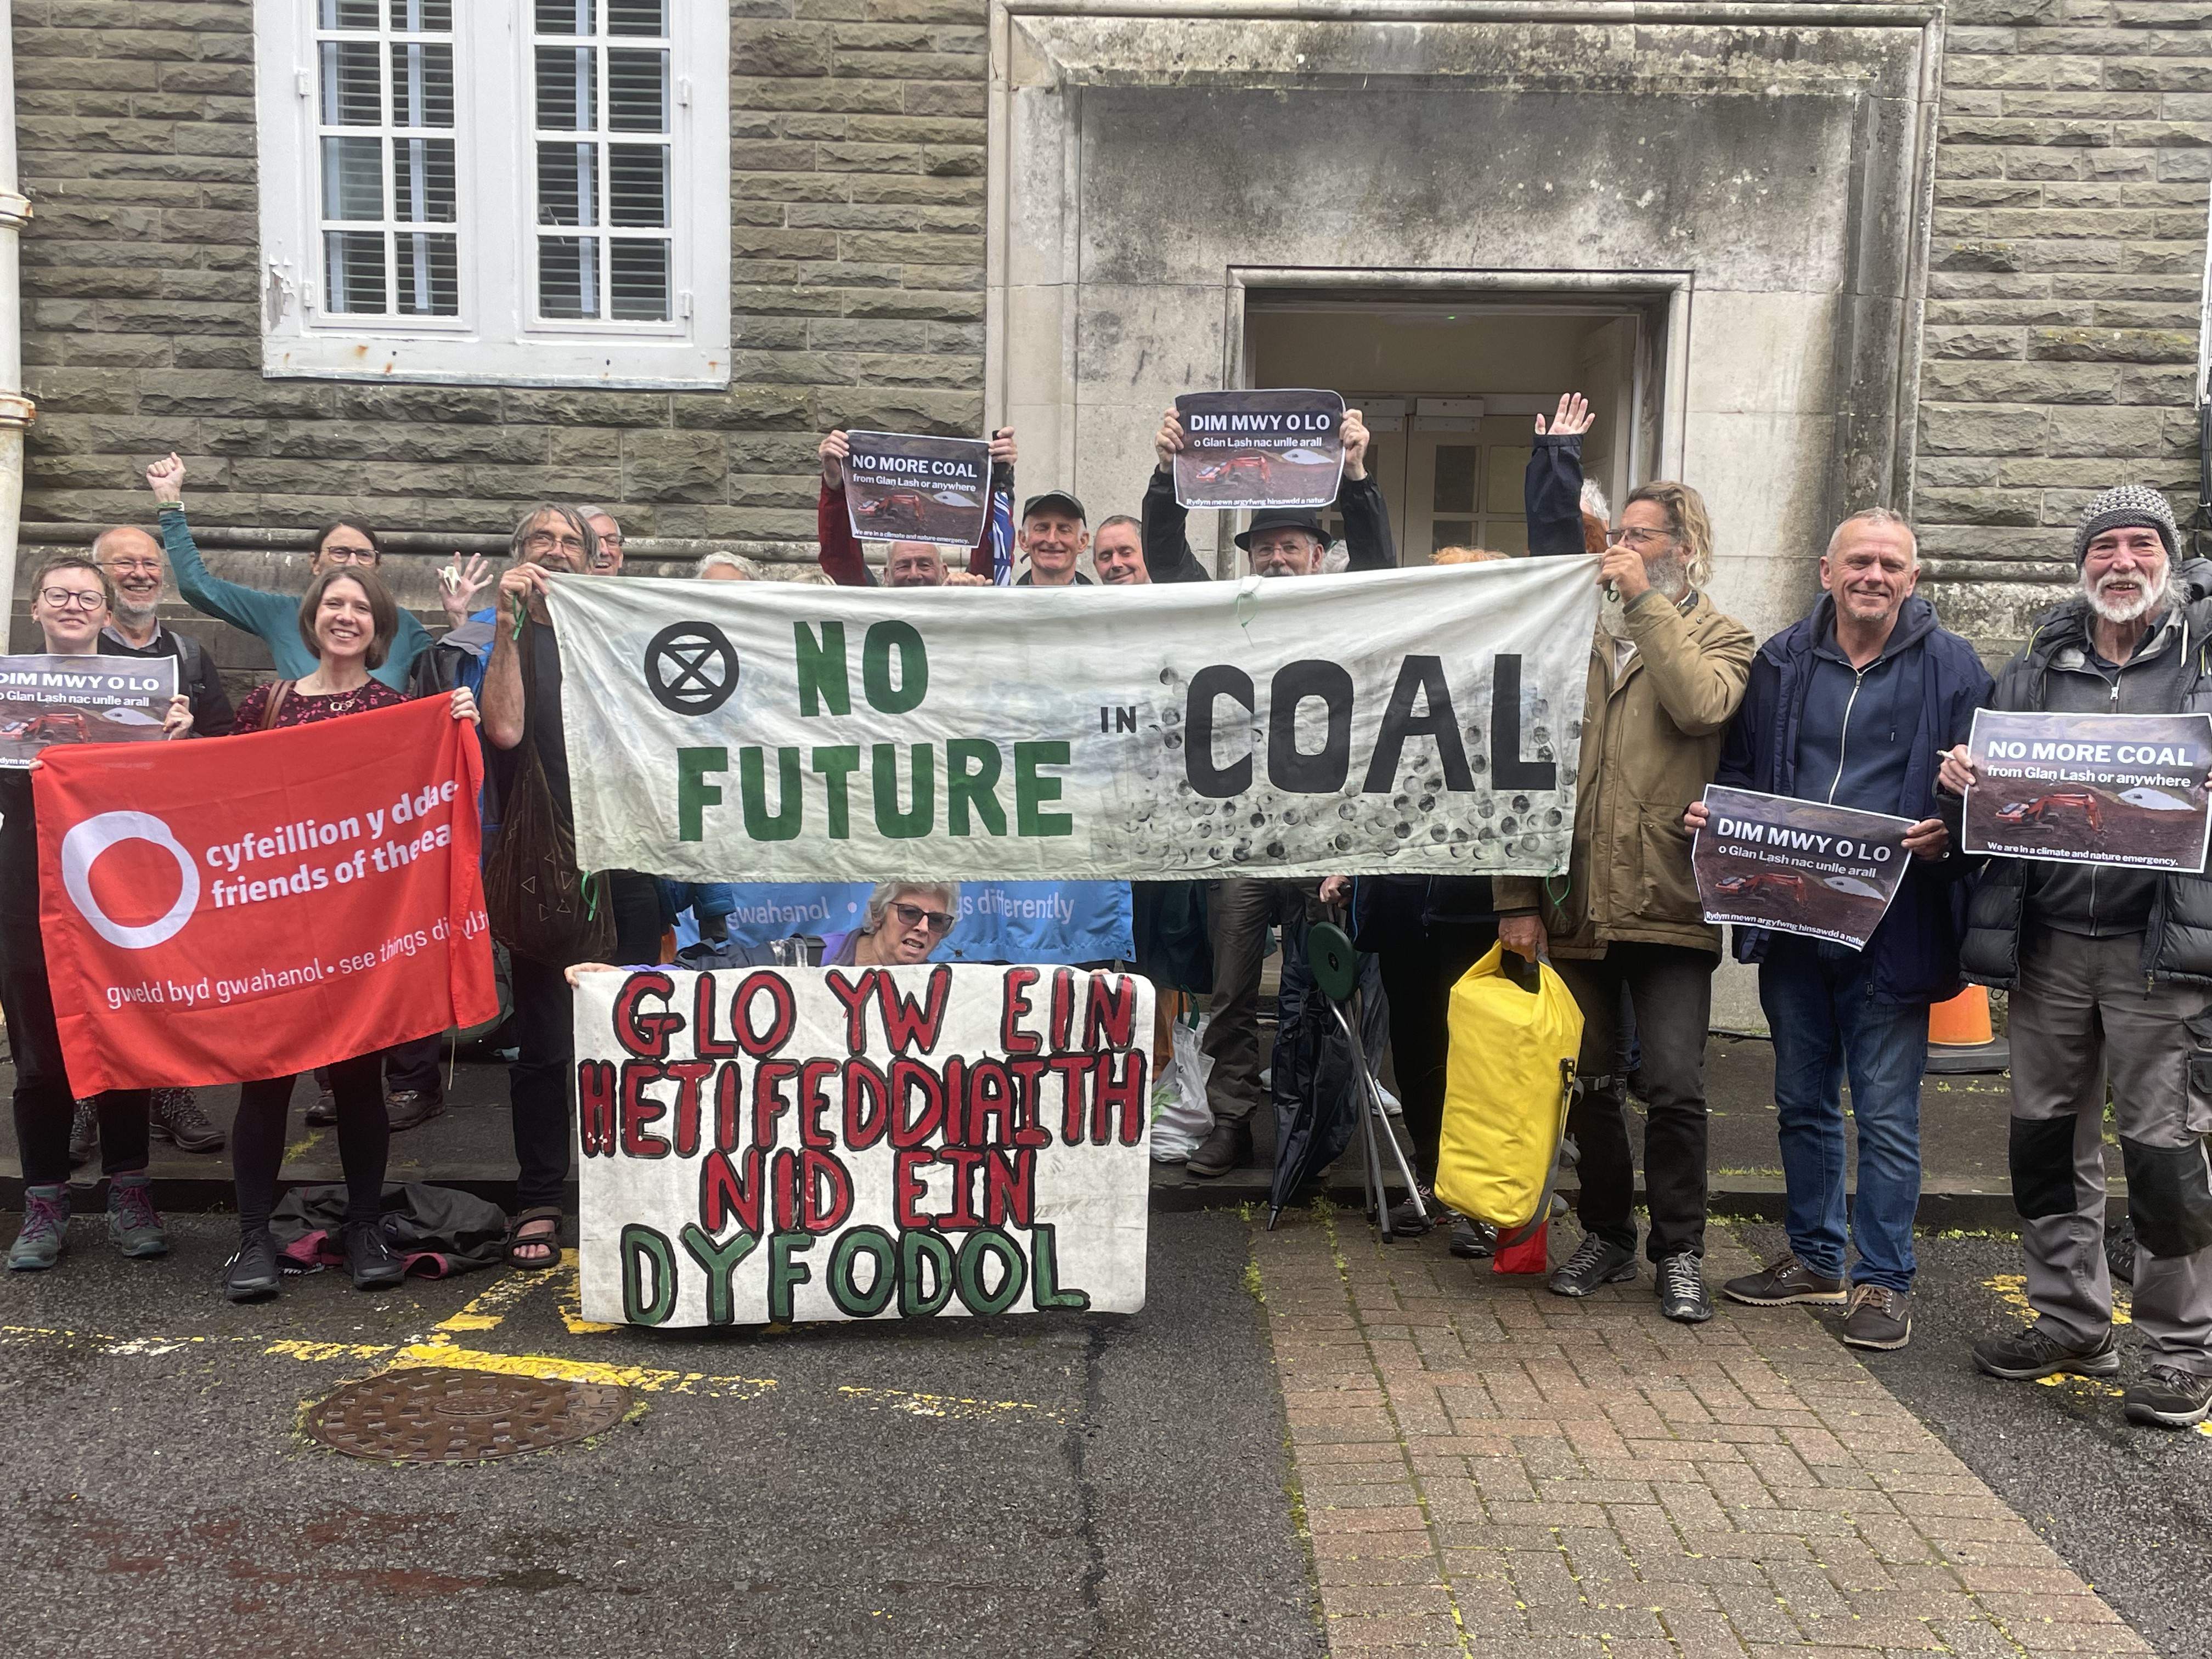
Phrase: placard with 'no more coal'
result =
(2127, 789)
(900, 487)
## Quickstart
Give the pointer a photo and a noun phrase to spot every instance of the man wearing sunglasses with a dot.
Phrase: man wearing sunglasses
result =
(1667, 673)
(904, 922)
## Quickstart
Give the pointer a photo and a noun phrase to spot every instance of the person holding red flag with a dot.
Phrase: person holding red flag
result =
(347, 621)
(71, 600)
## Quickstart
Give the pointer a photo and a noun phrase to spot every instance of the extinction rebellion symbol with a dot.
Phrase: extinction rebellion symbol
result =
(691, 668)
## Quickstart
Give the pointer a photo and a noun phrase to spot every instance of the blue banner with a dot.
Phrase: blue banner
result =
(1052, 922)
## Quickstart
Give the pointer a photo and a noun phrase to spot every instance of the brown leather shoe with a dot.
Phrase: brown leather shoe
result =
(1229, 1147)
(410, 1109)
(324, 1111)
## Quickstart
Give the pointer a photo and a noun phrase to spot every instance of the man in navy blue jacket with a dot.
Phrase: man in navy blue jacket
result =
(1854, 706)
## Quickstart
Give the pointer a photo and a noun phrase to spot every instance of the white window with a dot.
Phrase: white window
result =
(518, 191)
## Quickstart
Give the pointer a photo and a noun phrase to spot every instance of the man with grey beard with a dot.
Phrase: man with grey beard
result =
(134, 562)
(2110, 970)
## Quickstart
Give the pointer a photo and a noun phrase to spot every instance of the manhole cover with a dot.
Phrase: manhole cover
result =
(432, 1414)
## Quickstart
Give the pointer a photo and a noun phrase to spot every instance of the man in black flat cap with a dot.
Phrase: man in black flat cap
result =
(1281, 541)
(1054, 536)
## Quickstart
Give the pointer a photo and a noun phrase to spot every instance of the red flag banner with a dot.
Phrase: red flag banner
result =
(256, 906)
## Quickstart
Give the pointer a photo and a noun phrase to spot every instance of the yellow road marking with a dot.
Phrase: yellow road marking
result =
(938, 1405)
(317, 1352)
(2012, 1290)
(554, 1369)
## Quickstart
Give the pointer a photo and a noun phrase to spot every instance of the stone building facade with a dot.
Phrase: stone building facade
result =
(1948, 257)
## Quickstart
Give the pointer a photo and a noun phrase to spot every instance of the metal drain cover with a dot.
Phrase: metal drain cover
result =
(435, 1414)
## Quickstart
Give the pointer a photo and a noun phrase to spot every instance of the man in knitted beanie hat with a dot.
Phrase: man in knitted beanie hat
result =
(2109, 968)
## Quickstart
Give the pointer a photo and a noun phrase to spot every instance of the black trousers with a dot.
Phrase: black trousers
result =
(1671, 988)
(44, 1103)
(416, 1065)
(1417, 977)
(256, 1140)
(544, 1033)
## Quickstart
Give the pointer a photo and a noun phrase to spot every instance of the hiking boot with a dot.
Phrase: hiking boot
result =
(323, 1112)
(1472, 1241)
(1406, 1222)
(44, 1235)
(2026, 1355)
(252, 1275)
(1682, 1294)
(1229, 1147)
(133, 1225)
(1595, 1262)
(1880, 1317)
(176, 1117)
(2169, 1398)
(370, 1258)
(410, 1108)
(84, 1133)
(1787, 1281)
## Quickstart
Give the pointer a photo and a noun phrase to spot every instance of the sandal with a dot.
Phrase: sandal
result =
(547, 1241)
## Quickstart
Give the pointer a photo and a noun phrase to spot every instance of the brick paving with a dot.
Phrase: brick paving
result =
(1486, 1468)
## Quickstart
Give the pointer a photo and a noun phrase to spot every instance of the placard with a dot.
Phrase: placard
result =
(1798, 867)
(1273, 447)
(49, 700)
(776, 1144)
(2128, 789)
(900, 487)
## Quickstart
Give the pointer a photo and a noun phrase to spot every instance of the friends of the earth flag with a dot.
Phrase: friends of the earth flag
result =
(847, 1143)
(1416, 720)
(256, 906)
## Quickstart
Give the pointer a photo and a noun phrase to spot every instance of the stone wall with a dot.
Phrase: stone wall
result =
(2066, 269)
(857, 244)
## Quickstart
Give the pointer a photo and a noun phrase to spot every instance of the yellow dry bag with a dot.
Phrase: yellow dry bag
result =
(1508, 1077)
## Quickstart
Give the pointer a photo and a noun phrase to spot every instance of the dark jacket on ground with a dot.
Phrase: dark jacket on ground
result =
(196, 675)
(2059, 672)
(1167, 549)
(1915, 700)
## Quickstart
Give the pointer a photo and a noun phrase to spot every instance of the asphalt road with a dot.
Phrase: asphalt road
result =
(1104, 1486)
(2128, 1508)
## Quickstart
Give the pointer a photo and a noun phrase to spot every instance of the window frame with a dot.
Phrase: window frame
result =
(495, 339)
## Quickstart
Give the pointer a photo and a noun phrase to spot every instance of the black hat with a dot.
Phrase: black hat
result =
(1283, 518)
(1054, 498)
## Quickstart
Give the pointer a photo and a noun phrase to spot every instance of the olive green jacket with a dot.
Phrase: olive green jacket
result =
(1650, 743)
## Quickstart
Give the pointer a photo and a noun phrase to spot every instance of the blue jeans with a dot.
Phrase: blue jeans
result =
(1824, 1023)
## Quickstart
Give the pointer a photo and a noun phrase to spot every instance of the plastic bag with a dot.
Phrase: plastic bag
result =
(1181, 1116)
(1509, 1066)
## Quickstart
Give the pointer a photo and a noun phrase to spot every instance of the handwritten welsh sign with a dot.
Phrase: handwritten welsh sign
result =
(862, 1143)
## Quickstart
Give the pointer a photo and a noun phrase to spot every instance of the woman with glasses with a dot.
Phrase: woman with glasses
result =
(71, 600)
(905, 922)
(345, 623)
(272, 618)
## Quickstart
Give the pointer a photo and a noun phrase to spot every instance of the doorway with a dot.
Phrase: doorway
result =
(1450, 391)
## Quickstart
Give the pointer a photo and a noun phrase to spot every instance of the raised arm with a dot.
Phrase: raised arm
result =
(838, 552)
(982, 560)
(1552, 491)
(1165, 521)
(268, 616)
(501, 704)
(1359, 499)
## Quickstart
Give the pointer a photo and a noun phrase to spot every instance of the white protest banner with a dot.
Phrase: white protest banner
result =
(1416, 720)
(772, 1144)
(903, 488)
(1798, 867)
(49, 700)
(1269, 447)
(2128, 789)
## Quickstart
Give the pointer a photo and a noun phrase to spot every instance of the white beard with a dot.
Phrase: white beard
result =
(133, 616)
(2150, 599)
(1669, 576)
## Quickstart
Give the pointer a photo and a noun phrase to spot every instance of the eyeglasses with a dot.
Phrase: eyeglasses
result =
(940, 921)
(540, 541)
(134, 567)
(344, 554)
(606, 540)
(72, 598)
(1641, 537)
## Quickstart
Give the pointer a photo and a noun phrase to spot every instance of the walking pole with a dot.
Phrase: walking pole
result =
(1335, 968)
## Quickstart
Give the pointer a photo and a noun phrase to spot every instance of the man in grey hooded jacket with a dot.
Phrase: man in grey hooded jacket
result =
(2110, 970)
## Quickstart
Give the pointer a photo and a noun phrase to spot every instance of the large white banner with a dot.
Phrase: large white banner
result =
(862, 1143)
(1422, 721)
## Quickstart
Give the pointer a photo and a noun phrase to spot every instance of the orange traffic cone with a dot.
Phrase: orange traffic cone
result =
(1959, 1036)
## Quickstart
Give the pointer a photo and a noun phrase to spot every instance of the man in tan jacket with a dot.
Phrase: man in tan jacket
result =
(1667, 672)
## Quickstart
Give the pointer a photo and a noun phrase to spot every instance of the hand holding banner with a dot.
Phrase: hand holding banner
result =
(902, 488)
(54, 699)
(862, 1143)
(1260, 448)
(2127, 789)
(1798, 867)
(256, 906)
